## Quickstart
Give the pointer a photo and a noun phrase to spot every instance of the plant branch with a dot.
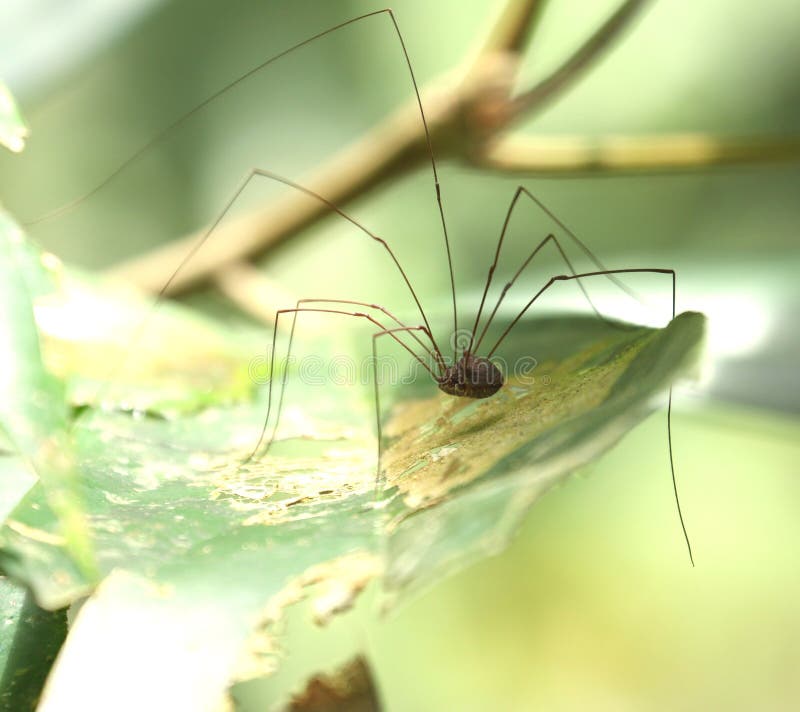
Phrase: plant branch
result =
(565, 155)
(574, 67)
(254, 293)
(513, 29)
(387, 151)
(467, 120)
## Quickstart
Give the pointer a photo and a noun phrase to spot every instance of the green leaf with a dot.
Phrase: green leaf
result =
(13, 131)
(29, 643)
(466, 472)
(30, 637)
(33, 411)
(111, 345)
(198, 548)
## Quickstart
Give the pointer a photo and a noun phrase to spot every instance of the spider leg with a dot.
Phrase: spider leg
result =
(410, 330)
(257, 450)
(375, 337)
(519, 192)
(219, 255)
(653, 270)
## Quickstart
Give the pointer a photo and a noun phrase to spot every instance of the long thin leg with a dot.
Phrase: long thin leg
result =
(581, 245)
(262, 173)
(510, 283)
(375, 336)
(253, 173)
(565, 277)
(220, 92)
(437, 186)
(521, 190)
(295, 311)
(493, 266)
(656, 270)
(410, 329)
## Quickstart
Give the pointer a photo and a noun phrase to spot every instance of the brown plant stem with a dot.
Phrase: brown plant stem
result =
(572, 155)
(467, 118)
(578, 62)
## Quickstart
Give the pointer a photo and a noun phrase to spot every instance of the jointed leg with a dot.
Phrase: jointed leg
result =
(653, 270)
(324, 203)
(565, 277)
(133, 158)
(510, 283)
(521, 190)
(435, 355)
(392, 333)
(177, 123)
(580, 243)
(295, 311)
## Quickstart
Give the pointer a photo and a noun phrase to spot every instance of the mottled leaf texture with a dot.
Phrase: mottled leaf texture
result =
(199, 554)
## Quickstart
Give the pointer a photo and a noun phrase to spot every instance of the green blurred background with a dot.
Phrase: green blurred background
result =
(594, 605)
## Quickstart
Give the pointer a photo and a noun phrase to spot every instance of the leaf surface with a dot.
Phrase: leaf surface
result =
(200, 550)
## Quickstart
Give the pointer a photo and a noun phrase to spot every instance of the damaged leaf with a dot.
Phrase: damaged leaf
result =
(202, 549)
(465, 472)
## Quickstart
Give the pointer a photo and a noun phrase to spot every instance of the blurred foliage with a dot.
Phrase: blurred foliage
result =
(12, 128)
(595, 603)
(33, 411)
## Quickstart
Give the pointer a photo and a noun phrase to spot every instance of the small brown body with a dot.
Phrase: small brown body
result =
(472, 377)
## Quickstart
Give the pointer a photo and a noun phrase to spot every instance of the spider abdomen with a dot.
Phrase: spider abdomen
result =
(472, 377)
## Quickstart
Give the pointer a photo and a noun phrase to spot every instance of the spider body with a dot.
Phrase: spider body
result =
(471, 377)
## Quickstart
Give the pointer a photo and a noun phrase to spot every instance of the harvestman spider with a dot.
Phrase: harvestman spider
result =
(469, 375)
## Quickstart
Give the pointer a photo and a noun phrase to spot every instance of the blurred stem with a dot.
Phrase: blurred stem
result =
(389, 150)
(529, 155)
(254, 293)
(467, 120)
(513, 29)
(582, 59)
